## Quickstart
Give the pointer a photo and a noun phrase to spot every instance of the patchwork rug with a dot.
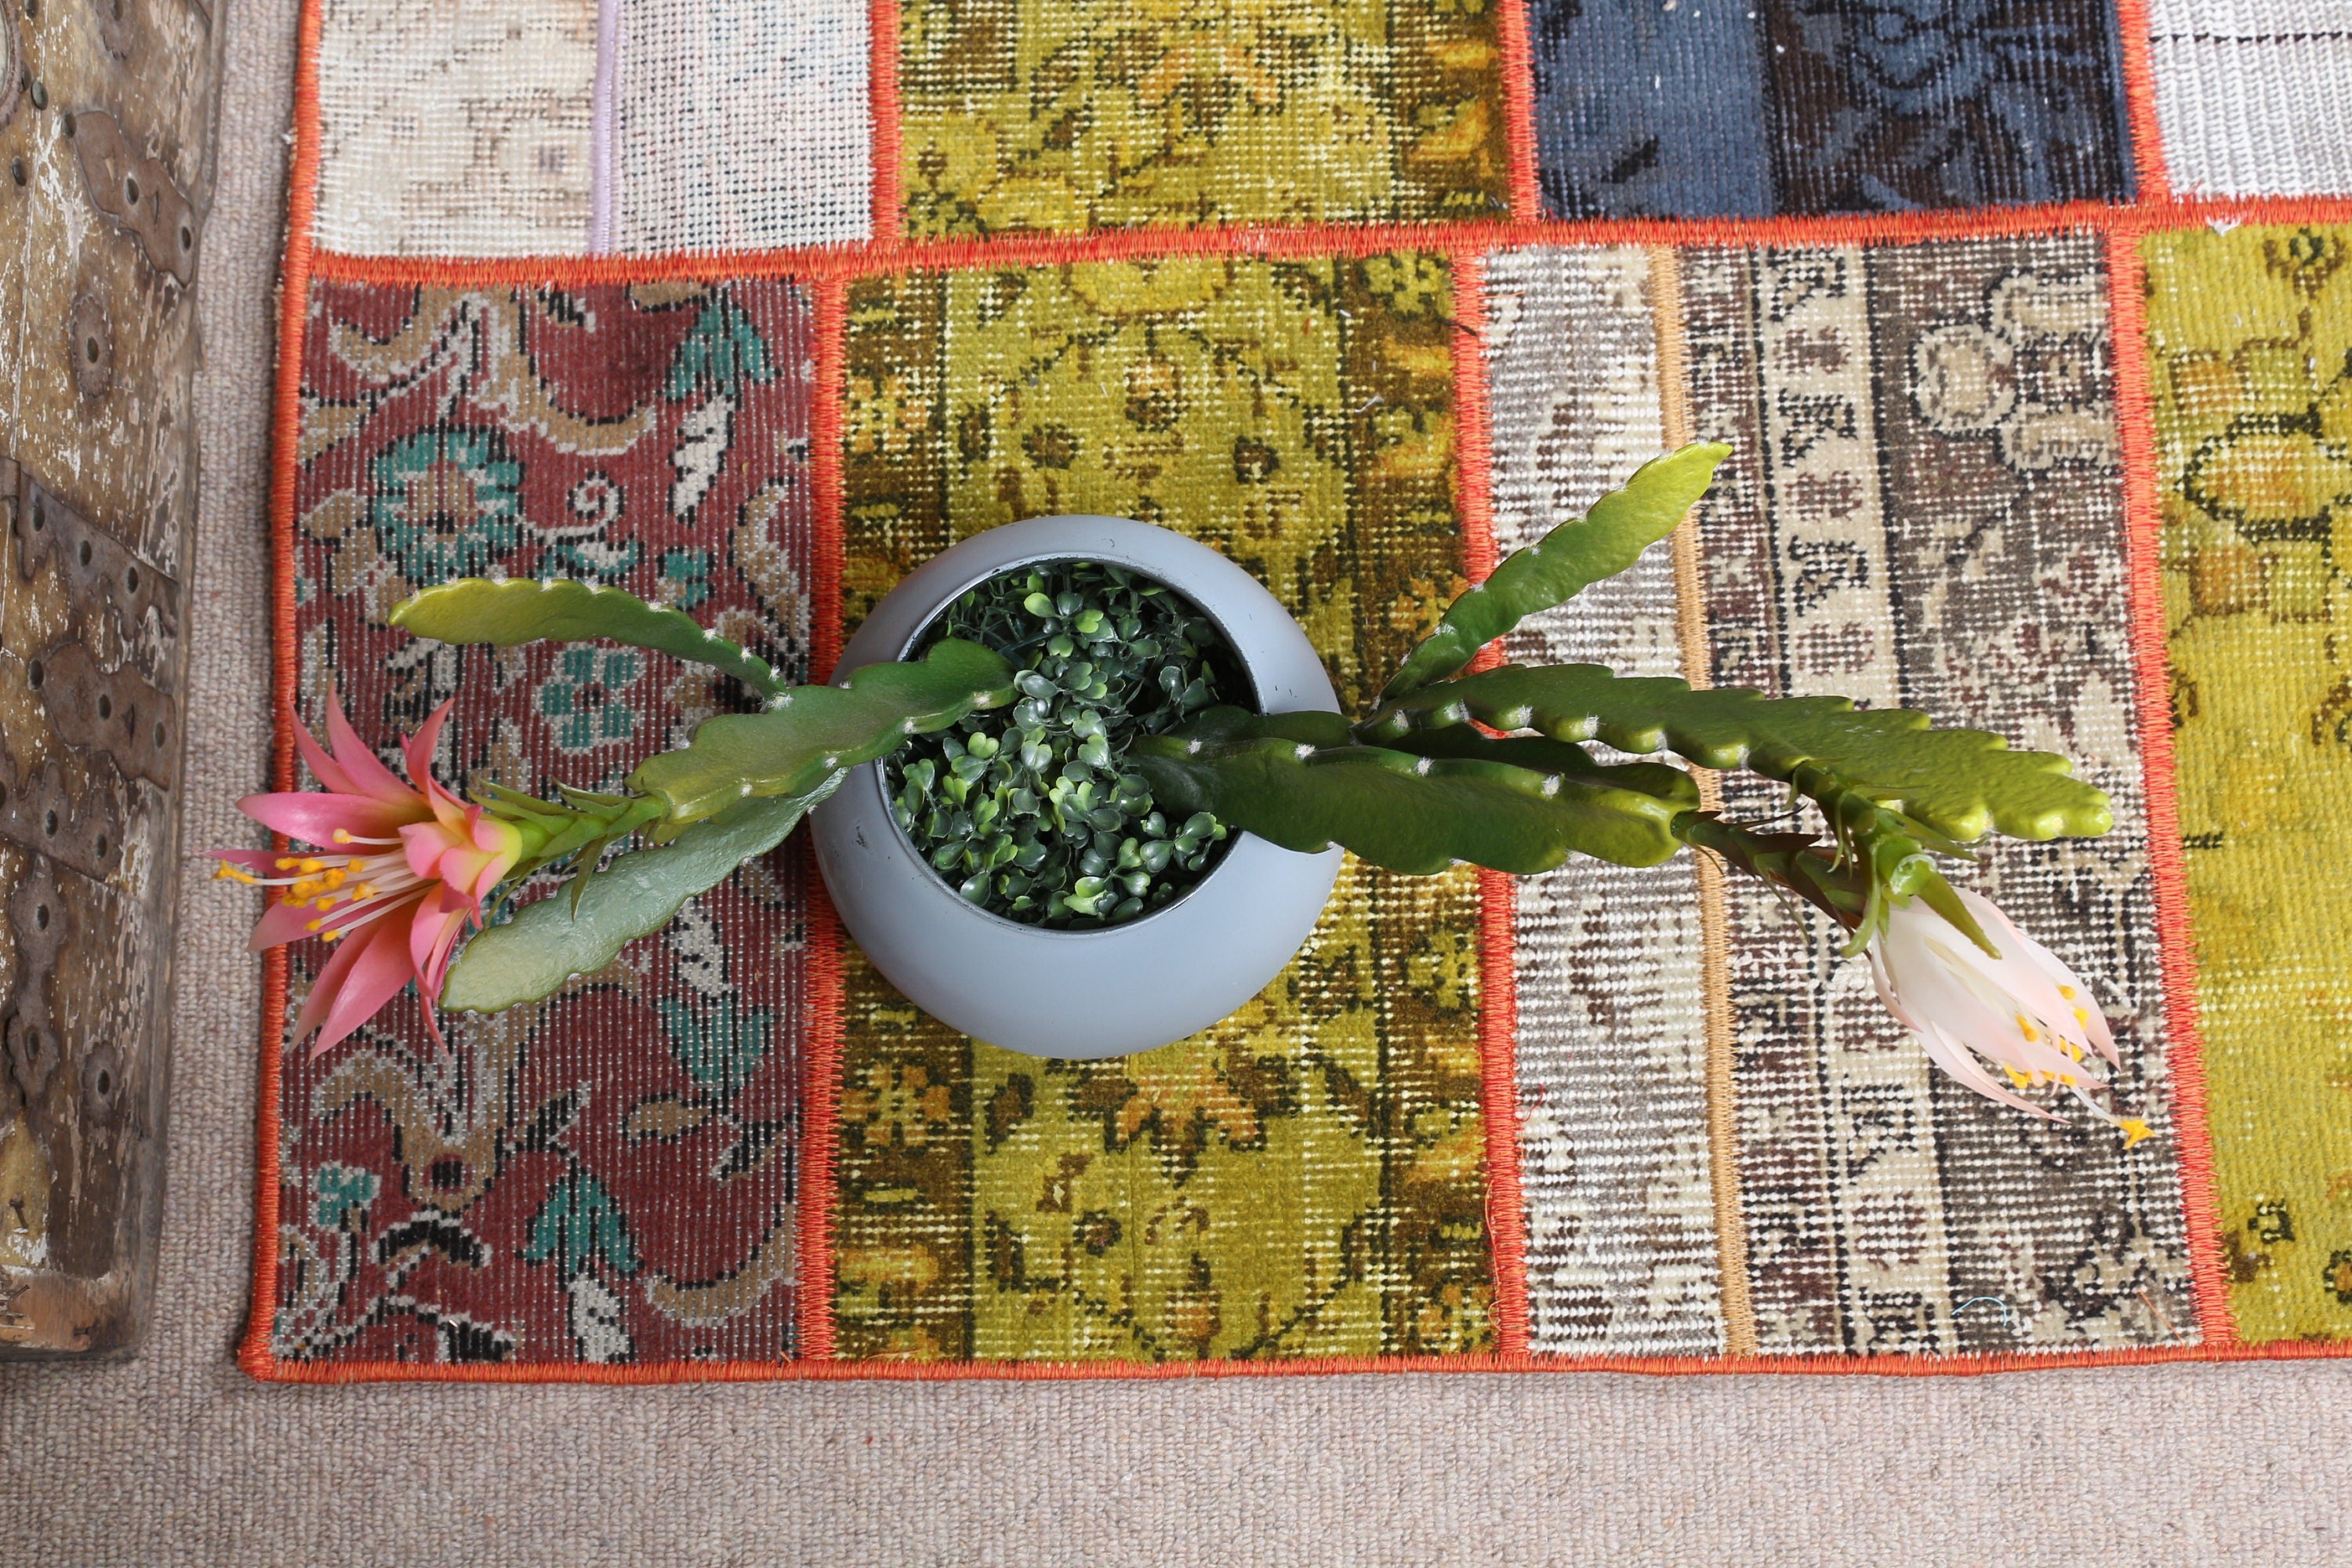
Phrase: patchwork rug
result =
(2029, 321)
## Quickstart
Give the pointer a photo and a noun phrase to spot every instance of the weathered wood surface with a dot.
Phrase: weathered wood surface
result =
(106, 138)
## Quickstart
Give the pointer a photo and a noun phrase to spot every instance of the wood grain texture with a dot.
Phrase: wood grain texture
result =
(106, 143)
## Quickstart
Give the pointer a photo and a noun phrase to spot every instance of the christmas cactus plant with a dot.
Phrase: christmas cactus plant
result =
(1069, 747)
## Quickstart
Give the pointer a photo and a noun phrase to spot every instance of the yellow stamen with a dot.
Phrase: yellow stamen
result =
(2134, 1130)
(2067, 992)
(236, 873)
(2026, 1025)
(2017, 1077)
(2081, 1017)
(366, 891)
(332, 936)
(311, 868)
(2067, 1078)
(337, 875)
(341, 835)
(285, 863)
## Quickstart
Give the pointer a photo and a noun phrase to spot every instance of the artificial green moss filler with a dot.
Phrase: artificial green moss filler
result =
(1031, 811)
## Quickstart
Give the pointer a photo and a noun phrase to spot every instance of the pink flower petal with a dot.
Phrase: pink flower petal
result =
(313, 818)
(472, 872)
(324, 985)
(419, 749)
(359, 760)
(2093, 1025)
(424, 844)
(1966, 1071)
(433, 1026)
(376, 971)
(327, 988)
(437, 972)
(2024, 972)
(324, 768)
(1936, 991)
(497, 836)
(280, 923)
(284, 922)
(438, 919)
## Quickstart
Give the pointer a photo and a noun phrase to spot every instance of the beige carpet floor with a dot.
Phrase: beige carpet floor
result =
(178, 1460)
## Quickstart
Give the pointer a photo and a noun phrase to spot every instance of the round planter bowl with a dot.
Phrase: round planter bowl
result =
(1117, 989)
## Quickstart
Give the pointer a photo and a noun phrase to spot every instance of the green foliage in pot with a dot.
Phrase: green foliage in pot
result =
(1031, 811)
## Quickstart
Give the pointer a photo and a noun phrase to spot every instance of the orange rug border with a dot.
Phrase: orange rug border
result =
(878, 257)
(1823, 1364)
(828, 269)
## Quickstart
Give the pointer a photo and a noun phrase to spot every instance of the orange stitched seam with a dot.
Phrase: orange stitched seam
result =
(821, 1121)
(820, 1084)
(2140, 100)
(883, 109)
(822, 1066)
(832, 304)
(1499, 1029)
(2143, 534)
(1520, 108)
(286, 434)
(1739, 1336)
(1822, 1365)
(1497, 893)
(867, 258)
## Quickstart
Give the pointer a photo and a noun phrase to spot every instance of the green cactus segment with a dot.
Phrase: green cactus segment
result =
(1227, 724)
(1543, 754)
(1539, 753)
(811, 730)
(1564, 562)
(582, 825)
(579, 930)
(519, 610)
(1415, 814)
(1957, 783)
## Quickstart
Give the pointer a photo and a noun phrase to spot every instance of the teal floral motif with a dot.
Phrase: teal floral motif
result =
(343, 1191)
(721, 352)
(578, 1225)
(446, 502)
(581, 698)
(687, 571)
(720, 1044)
(592, 560)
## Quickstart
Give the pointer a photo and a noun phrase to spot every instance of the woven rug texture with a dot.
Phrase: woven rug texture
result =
(2030, 325)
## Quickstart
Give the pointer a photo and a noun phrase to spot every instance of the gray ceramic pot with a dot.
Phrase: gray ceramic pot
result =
(1087, 994)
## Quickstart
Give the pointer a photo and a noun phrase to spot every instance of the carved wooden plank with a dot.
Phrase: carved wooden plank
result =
(106, 126)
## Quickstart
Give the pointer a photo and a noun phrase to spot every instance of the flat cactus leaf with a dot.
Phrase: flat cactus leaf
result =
(579, 930)
(1564, 562)
(1540, 754)
(1545, 755)
(1230, 723)
(1960, 784)
(811, 730)
(1415, 814)
(521, 610)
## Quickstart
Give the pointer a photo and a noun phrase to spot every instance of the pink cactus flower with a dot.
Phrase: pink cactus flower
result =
(394, 873)
(2025, 1012)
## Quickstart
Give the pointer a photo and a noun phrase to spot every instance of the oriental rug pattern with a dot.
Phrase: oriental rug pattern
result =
(2043, 422)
